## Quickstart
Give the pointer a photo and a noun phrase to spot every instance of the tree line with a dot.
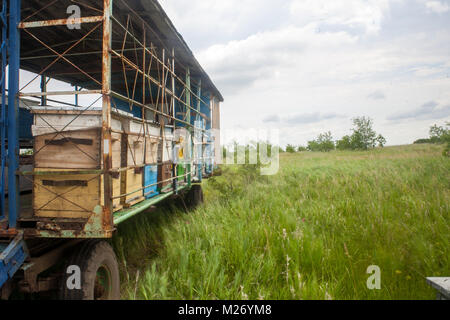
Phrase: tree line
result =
(363, 137)
(438, 135)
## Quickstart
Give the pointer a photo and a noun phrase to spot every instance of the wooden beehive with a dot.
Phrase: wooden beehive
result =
(164, 175)
(70, 195)
(135, 150)
(151, 150)
(78, 149)
(132, 186)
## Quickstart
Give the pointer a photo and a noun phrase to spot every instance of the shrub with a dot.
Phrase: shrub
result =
(290, 148)
(323, 143)
(363, 137)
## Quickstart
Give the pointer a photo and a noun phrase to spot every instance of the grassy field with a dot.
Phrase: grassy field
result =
(309, 232)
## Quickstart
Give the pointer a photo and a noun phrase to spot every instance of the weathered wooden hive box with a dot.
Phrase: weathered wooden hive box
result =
(68, 144)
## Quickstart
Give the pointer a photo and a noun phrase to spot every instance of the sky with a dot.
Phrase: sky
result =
(309, 66)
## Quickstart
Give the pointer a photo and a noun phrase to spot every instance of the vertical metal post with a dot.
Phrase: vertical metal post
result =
(188, 95)
(173, 89)
(106, 115)
(43, 89)
(188, 113)
(76, 96)
(197, 118)
(4, 53)
(174, 112)
(13, 112)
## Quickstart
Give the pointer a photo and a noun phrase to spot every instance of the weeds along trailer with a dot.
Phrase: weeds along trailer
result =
(105, 112)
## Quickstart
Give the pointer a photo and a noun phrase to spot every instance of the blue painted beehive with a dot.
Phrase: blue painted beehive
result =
(151, 179)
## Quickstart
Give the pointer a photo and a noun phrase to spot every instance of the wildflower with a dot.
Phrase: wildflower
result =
(398, 272)
(408, 278)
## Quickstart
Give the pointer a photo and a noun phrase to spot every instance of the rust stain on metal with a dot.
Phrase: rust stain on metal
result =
(59, 22)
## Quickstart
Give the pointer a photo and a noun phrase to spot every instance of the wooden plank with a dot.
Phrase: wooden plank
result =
(133, 126)
(116, 139)
(116, 192)
(74, 201)
(151, 150)
(65, 152)
(164, 173)
(167, 145)
(131, 182)
(135, 150)
(62, 120)
(153, 130)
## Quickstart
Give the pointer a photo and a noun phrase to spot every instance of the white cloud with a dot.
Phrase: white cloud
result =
(429, 110)
(437, 6)
(307, 60)
(268, 55)
(368, 14)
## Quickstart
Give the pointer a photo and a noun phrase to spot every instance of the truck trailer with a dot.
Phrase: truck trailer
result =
(105, 113)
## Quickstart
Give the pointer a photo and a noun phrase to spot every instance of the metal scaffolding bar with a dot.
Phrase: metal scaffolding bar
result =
(4, 54)
(130, 48)
(13, 113)
(106, 112)
(59, 22)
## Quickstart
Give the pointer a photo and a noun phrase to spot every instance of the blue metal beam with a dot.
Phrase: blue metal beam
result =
(4, 54)
(13, 112)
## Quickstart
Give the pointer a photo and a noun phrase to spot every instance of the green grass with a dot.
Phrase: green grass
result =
(309, 232)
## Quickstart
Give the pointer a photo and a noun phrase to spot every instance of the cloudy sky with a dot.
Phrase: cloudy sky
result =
(309, 66)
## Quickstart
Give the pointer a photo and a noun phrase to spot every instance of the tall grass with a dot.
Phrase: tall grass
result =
(309, 232)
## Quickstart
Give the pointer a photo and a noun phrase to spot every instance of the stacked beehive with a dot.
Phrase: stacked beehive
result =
(152, 158)
(133, 159)
(67, 149)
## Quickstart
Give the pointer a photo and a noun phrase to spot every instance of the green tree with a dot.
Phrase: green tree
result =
(446, 139)
(364, 137)
(313, 146)
(290, 148)
(323, 143)
(439, 134)
(344, 144)
(381, 141)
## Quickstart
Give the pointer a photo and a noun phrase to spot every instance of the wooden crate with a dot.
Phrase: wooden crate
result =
(47, 120)
(164, 173)
(133, 147)
(132, 182)
(151, 150)
(70, 196)
(80, 149)
(116, 143)
(133, 126)
(116, 192)
(65, 196)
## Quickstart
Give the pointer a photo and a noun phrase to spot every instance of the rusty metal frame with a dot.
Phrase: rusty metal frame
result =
(155, 73)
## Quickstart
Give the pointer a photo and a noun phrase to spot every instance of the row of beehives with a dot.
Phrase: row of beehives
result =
(66, 144)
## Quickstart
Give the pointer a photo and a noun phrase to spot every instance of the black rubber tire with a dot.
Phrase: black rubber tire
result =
(194, 196)
(92, 256)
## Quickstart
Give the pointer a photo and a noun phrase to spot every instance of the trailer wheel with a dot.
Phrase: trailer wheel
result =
(194, 196)
(99, 273)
